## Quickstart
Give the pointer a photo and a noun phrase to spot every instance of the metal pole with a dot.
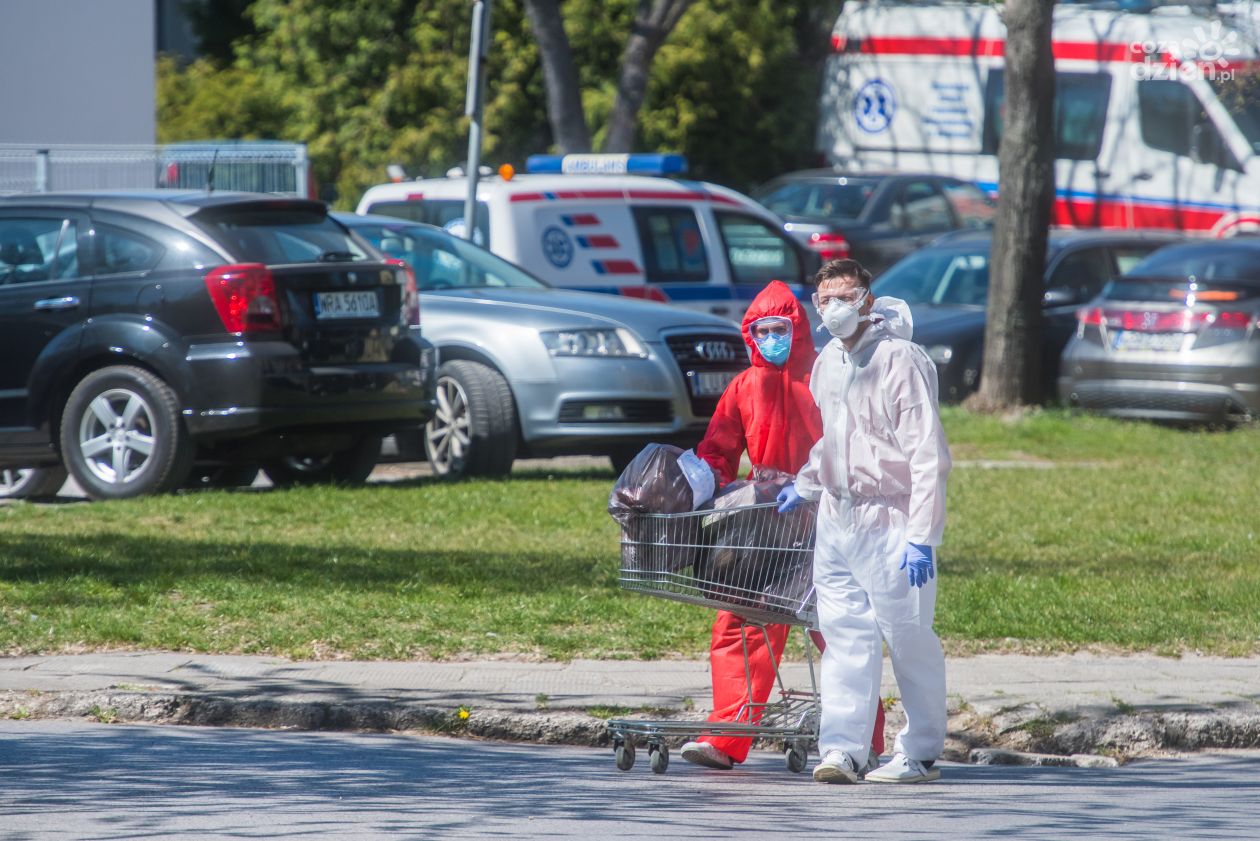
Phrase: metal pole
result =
(476, 64)
(41, 171)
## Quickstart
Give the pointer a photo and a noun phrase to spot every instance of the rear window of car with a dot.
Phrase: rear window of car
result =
(938, 276)
(279, 235)
(1214, 272)
(842, 198)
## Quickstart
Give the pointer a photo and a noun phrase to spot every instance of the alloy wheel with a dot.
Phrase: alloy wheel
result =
(448, 433)
(116, 436)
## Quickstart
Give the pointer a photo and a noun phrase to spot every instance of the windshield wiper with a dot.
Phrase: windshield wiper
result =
(337, 256)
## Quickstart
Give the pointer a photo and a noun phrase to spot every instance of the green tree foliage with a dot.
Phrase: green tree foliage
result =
(370, 82)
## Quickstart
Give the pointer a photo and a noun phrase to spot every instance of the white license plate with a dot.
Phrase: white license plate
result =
(709, 383)
(1134, 340)
(362, 304)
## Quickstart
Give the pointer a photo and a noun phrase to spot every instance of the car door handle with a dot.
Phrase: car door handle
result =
(67, 303)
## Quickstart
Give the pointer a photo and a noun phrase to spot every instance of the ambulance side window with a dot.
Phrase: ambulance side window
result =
(444, 213)
(1080, 113)
(673, 249)
(757, 253)
(1173, 120)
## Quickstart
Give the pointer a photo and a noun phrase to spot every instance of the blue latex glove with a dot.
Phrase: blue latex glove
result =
(917, 562)
(788, 498)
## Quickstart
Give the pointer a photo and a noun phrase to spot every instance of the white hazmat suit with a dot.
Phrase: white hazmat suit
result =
(879, 475)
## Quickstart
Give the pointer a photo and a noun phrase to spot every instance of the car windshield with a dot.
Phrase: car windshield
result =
(842, 198)
(1239, 92)
(938, 276)
(442, 261)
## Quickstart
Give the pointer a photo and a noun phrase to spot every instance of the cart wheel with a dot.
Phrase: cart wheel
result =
(659, 756)
(796, 758)
(625, 754)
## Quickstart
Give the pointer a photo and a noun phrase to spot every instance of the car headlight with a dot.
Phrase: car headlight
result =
(608, 342)
(940, 354)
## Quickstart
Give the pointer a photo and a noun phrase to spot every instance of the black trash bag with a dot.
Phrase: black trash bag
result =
(654, 483)
(757, 557)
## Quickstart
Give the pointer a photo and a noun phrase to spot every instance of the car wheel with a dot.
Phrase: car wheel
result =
(473, 431)
(223, 476)
(351, 466)
(622, 456)
(31, 482)
(122, 436)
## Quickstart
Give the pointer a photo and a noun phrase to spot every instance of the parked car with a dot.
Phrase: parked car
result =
(155, 338)
(1177, 337)
(947, 287)
(530, 370)
(875, 218)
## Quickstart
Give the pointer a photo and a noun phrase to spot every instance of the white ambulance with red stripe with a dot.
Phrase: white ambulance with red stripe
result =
(615, 223)
(1157, 113)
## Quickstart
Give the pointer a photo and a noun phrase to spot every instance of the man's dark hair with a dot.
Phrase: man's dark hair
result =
(835, 269)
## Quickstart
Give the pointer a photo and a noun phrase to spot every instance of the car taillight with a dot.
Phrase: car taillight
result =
(411, 293)
(647, 292)
(245, 297)
(1148, 321)
(832, 246)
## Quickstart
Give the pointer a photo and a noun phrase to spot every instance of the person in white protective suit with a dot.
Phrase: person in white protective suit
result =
(879, 475)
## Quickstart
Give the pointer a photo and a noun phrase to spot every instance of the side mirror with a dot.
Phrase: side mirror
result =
(1061, 296)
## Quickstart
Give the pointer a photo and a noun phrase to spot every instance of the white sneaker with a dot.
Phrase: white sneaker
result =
(836, 767)
(703, 753)
(903, 769)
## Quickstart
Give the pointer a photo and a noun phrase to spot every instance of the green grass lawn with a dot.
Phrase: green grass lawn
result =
(1141, 538)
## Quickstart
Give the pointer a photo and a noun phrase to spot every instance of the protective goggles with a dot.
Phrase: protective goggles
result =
(771, 325)
(853, 298)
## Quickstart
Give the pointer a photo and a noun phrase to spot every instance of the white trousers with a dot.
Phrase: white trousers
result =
(863, 600)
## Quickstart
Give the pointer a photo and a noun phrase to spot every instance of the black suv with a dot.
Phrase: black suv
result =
(157, 339)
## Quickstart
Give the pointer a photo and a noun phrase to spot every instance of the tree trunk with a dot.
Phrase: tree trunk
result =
(1012, 338)
(653, 21)
(564, 95)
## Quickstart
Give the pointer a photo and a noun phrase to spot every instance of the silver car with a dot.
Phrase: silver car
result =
(1174, 338)
(528, 370)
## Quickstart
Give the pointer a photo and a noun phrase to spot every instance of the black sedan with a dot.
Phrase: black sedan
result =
(947, 288)
(874, 218)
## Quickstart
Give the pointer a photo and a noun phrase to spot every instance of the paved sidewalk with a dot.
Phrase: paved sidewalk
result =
(1031, 709)
(1082, 683)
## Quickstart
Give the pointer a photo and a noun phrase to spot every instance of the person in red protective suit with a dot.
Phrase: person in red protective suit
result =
(769, 411)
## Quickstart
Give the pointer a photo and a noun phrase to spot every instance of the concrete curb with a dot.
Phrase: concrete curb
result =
(1095, 742)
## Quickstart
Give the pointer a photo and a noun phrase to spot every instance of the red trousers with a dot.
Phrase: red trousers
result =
(730, 686)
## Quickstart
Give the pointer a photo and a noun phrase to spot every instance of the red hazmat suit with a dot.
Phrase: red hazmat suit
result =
(769, 411)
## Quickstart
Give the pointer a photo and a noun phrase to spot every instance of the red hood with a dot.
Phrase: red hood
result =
(777, 299)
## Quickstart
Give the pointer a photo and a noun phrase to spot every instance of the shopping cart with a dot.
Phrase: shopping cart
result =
(752, 561)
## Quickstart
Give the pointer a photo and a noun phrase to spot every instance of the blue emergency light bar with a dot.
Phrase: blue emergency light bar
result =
(638, 164)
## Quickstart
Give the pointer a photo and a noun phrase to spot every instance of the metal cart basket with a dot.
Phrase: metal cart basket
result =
(753, 562)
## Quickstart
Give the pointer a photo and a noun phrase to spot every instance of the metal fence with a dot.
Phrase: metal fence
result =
(264, 166)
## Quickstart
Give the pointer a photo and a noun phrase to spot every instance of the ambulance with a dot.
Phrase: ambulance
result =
(616, 224)
(1157, 112)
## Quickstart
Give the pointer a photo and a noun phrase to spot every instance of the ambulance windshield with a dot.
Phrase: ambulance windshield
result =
(1239, 91)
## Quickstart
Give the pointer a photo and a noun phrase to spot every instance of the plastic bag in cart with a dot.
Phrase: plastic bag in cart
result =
(661, 479)
(756, 555)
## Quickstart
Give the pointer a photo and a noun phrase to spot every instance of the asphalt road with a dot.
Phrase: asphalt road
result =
(61, 780)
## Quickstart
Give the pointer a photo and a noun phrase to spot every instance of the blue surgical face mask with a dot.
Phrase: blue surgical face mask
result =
(774, 348)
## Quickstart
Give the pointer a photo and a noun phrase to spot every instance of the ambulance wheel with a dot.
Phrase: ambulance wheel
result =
(795, 757)
(625, 755)
(473, 431)
(659, 757)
